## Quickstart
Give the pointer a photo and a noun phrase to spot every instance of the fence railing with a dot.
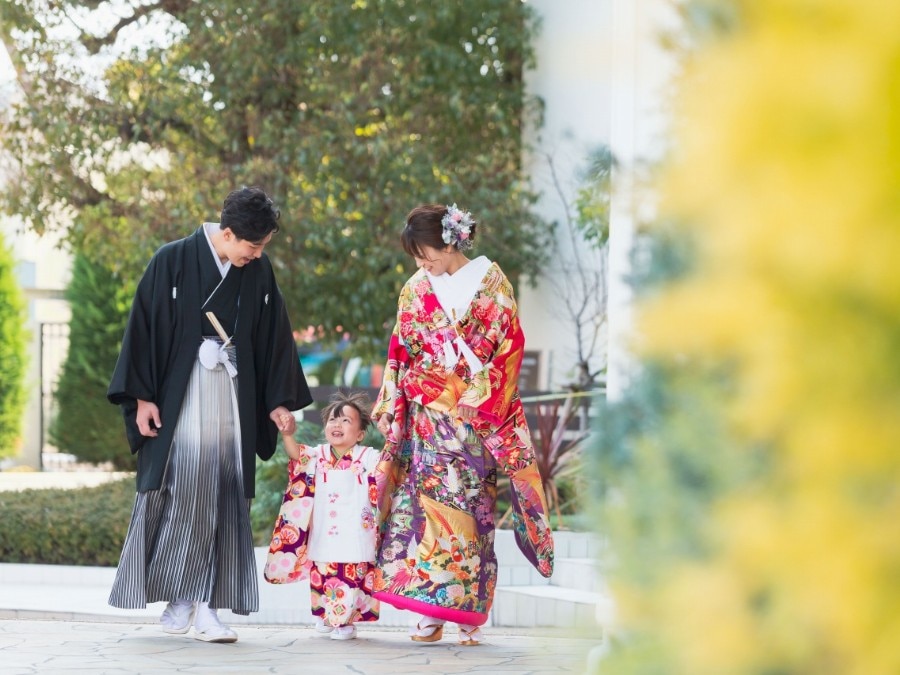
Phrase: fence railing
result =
(530, 401)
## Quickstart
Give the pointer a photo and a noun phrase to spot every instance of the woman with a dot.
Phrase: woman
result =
(450, 410)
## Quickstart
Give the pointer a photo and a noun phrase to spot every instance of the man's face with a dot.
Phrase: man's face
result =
(240, 251)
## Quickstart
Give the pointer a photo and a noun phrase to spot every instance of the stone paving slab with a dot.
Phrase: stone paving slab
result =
(36, 647)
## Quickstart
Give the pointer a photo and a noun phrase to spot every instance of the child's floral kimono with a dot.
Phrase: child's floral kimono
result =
(325, 532)
(438, 474)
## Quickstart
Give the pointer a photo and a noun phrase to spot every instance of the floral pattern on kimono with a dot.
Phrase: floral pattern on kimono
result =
(341, 593)
(437, 475)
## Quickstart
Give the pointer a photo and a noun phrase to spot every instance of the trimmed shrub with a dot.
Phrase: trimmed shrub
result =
(87, 425)
(12, 354)
(86, 526)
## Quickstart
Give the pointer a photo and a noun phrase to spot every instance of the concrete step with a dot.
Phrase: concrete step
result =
(582, 574)
(566, 544)
(523, 598)
(545, 606)
(583, 548)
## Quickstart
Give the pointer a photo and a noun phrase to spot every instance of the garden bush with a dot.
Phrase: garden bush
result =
(13, 339)
(86, 526)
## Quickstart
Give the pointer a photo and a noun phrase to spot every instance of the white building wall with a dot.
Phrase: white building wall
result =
(572, 76)
(642, 70)
(601, 73)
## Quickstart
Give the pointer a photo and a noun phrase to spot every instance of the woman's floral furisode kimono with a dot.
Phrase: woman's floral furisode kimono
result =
(438, 476)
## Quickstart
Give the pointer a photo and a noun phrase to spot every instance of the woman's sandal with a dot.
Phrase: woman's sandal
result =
(430, 633)
(469, 636)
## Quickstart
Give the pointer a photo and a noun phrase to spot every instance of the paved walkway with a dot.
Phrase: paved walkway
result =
(54, 619)
(38, 646)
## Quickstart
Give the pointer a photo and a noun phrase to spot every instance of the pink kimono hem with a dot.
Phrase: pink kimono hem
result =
(427, 609)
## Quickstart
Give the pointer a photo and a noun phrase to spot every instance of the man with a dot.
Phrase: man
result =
(207, 368)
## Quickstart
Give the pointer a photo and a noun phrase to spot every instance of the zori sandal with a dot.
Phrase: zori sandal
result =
(469, 636)
(431, 632)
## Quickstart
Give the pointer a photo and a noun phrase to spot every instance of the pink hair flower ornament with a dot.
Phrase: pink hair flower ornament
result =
(457, 226)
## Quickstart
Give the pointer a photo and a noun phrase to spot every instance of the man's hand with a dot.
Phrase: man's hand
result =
(284, 420)
(148, 413)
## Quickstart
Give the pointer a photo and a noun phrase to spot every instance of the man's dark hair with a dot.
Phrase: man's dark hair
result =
(250, 214)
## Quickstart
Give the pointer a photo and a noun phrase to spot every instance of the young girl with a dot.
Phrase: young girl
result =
(326, 527)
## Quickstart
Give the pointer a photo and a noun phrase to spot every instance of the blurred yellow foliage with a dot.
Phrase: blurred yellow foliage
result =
(786, 172)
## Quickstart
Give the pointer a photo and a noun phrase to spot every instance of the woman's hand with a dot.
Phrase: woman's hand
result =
(384, 423)
(466, 412)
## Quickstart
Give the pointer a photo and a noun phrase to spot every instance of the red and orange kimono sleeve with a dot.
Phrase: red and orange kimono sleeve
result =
(391, 401)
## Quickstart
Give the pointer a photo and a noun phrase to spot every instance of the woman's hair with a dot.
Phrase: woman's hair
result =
(250, 214)
(424, 228)
(359, 401)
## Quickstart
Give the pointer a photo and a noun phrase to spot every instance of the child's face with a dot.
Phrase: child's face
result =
(343, 429)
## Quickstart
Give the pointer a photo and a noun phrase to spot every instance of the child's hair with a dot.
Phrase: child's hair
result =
(358, 400)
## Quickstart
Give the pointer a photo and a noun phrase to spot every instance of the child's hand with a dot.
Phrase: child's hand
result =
(283, 420)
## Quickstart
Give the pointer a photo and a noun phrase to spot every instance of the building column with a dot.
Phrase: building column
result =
(32, 418)
(640, 71)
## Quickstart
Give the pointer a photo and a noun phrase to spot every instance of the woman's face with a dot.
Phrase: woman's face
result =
(435, 261)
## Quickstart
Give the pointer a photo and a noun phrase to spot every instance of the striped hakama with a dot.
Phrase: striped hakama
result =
(191, 539)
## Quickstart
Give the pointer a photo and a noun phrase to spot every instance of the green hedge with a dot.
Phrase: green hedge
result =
(66, 527)
(87, 526)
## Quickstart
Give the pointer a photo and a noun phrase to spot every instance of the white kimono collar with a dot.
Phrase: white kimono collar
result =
(456, 291)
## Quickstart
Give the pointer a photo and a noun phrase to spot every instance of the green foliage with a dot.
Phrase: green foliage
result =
(12, 354)
(749, 474)
(86, 425)
(86, 526)
(659, 459)
(348, 113)
(593, 198)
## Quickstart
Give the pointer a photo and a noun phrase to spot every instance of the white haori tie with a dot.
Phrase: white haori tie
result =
(212, 353)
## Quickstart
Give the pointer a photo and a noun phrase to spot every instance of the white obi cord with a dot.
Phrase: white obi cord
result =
(455, 292)
(453, 349)
(212, 353)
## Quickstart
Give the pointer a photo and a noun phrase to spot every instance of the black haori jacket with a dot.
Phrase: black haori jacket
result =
(161, 342)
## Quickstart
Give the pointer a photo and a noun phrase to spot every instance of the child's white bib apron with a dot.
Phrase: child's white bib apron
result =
(341, 510)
